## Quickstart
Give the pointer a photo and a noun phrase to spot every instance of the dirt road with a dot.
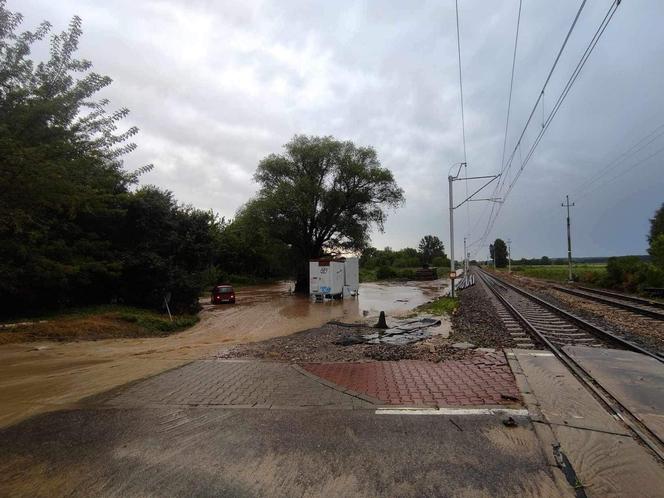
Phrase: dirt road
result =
(46, 376)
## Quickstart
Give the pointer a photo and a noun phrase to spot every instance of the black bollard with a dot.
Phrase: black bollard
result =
(382, 324)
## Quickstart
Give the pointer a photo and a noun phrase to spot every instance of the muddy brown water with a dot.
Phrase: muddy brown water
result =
(45, 376)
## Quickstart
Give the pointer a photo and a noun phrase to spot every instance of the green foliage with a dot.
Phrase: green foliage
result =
(73, 232)
(622, 272)
(385, 272)
(500, 253)
(245, 248)
(322, 196)
(656, 225)
(157, 322)
(440, 262)
(441, 306)
(585, 273)
(656, 250)
(431, 247)
(167, 250)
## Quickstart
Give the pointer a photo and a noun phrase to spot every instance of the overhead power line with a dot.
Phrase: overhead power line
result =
(545, 125)
(509, 99)
(637, 147)
(463, 119)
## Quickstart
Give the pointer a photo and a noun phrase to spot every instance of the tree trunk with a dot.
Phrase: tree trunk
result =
(302, 283)
(302, 279)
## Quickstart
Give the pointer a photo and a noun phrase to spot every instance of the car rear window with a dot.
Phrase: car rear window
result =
(224, 289)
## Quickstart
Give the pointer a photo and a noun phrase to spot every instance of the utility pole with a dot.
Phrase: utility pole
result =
(451, 179)
(569, 239)
(509, 256)
(465, 257)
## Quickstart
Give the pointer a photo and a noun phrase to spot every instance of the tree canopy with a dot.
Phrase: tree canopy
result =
(500, 253)
(73, 230)
(431, 247)
(656, 238)
(323, 196)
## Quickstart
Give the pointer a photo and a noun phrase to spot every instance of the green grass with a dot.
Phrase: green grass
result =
(157, 322)
(586, 273)
(97, 322)
(439, 307)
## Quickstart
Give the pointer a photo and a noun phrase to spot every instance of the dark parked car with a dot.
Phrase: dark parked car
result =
(223, 294)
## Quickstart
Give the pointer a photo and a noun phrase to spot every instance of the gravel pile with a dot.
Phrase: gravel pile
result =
(333, 343)
(476, 321)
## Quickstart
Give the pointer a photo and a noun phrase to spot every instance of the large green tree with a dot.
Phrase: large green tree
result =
(72, 229)
(431, 247)
(62, 185)
(322, 196)
(500, 253)
(656, 238)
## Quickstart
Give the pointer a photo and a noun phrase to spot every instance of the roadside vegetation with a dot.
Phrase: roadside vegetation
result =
(638, 274)
(79, 230)
(441, 306)
(585, 273)
(388, 264)
(97, 322)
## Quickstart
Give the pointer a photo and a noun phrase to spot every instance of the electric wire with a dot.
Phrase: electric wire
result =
(639, 146)
(509, 99)
(586, 54)
(625, 171)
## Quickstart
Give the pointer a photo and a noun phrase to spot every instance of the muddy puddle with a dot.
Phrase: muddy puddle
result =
(38, 377)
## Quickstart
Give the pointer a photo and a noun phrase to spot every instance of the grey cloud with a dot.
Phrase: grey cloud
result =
(216, 86)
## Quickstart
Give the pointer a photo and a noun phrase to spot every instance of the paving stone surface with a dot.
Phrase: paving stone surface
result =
(234, 383)
(483, 380)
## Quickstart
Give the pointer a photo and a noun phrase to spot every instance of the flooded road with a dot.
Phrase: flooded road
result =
(44, 376)
(271, 311)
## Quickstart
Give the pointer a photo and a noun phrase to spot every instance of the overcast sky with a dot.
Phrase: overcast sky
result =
(215, 86)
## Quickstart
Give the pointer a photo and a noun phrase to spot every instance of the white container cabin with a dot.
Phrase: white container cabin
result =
(333, 278)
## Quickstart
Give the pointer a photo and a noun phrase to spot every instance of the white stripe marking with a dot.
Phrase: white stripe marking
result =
(452, 411)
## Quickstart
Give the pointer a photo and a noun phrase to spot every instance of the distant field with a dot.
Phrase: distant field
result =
(585, 272)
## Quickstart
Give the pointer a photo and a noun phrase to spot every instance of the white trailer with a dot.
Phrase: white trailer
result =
(351, 276)
(333, 278)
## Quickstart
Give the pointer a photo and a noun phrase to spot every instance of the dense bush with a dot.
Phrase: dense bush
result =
(630, 273)
(440, 262)
(385, 272)
(73, 230)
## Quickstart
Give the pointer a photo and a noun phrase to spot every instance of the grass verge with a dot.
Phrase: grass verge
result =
(441, 306)
(98, 322)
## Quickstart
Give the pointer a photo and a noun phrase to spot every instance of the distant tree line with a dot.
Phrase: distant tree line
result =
(430, 251)
(633, 273)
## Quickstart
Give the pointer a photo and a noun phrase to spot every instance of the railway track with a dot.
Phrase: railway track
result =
(645, 307)
(556, 328)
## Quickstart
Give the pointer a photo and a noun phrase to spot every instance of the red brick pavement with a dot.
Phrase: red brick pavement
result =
(481, 380)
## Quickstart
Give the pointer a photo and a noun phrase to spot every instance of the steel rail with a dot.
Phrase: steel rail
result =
(657, 315)
(638, 428)
(584, 324)
(626, 297)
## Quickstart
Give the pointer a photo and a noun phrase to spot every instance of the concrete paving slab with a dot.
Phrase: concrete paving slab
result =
(603, 457)
(187, 451)
(562, 399)
(635, 380)
(232, 383)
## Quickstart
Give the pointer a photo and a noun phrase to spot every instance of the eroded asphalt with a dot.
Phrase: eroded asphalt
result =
(238, 428)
